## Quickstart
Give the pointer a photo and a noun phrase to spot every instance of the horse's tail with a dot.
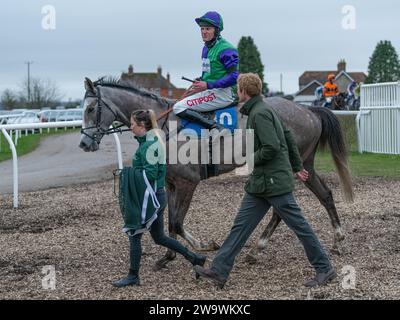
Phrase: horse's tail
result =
(333, 136)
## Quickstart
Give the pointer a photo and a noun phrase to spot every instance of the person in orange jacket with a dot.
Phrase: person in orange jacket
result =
(330, 88)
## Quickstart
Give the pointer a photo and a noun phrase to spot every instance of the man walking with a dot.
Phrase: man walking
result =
(271, 184)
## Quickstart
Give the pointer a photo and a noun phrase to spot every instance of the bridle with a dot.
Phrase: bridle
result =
(100, 131)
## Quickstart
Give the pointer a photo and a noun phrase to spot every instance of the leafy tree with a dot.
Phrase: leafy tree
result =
(384, 65)
(9, 99)
(250, 59)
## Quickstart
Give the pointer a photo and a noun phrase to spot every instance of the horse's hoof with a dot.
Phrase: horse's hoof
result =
(336, 251)
(215, 246)
(159, 266)
(197, 276)
(250, 259)
(210, 246)
(339, 237)
(220, 286)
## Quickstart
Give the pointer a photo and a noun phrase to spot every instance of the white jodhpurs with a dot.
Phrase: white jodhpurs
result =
(208, 100)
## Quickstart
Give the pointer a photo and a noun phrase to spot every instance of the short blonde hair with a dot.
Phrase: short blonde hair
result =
(250, 83)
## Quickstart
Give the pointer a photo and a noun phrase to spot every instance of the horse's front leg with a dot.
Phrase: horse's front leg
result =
(183, 197)
(179, 198)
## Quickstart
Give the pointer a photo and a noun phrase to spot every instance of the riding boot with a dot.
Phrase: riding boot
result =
(135, 254)
(196, 117)
(129, 280)
(195, 258)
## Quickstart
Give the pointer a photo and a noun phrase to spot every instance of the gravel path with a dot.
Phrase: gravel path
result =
(58, 161)
(77, 230)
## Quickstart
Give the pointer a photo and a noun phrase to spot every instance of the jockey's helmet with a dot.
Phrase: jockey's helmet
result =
(211, 19)
(331, 77)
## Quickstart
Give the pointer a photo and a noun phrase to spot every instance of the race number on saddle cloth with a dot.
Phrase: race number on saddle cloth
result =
(220, 65)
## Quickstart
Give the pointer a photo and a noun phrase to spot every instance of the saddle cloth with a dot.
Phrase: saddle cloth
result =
(227, 117)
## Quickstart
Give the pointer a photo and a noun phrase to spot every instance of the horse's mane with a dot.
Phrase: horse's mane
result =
(116, 82)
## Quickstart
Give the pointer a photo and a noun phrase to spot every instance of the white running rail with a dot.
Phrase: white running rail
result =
(380, 118)
(26, 126)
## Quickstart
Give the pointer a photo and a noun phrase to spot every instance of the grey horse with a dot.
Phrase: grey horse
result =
(111, 100)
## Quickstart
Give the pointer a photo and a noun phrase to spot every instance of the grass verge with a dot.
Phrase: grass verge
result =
(365, 164)
(28, 143)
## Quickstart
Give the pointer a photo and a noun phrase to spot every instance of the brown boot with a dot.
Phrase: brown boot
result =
(321, 279)
(218, 280)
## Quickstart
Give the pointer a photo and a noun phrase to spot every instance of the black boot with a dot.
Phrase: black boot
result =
(131, 280)
(135, 254)
(196, 259)
(196, 117)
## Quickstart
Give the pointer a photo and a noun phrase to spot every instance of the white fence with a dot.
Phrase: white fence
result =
(26, 126)
(36, 116)
(379, 118)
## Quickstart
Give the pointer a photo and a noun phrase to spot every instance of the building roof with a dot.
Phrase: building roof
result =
(309, 89)
(321, 76)
(148, 80)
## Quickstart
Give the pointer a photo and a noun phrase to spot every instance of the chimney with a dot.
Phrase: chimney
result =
(168, 78)
(159, 70)
(130, 69)
(341, 65)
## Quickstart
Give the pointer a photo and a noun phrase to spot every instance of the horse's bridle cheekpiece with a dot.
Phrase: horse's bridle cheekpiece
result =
(100, 130)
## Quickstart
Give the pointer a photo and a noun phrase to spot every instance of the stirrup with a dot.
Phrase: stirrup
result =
(197, 118)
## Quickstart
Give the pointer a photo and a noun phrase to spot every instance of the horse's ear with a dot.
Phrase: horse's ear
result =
(89, 86)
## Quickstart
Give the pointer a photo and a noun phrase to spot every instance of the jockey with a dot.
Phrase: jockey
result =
(330, 88)
(351, 89)
(216, 88)
(319, 92)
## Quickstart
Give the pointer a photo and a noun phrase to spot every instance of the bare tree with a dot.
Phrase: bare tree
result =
(44, 93)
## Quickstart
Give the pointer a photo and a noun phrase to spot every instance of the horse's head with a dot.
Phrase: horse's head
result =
(99, 114)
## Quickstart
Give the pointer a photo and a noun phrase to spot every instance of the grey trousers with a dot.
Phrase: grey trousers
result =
(251, 212)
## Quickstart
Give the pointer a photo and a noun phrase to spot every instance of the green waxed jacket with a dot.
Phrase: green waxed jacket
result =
(276, 156)
(150, 156)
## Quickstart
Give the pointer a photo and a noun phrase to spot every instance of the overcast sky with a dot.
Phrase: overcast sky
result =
(97, 37)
